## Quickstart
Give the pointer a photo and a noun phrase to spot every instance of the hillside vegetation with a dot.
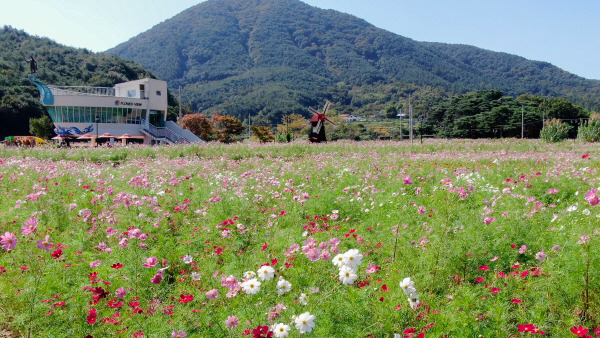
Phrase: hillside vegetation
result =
(266, 58)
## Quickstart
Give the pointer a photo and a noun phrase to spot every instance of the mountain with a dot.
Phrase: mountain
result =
(266, 58)
(58, 65)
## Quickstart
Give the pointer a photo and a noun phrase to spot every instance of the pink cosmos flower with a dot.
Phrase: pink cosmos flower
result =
(489, 220)
(422, 210)
(95, 264)
(212, 294)
(8, 241)
(229, 282)
(592, 197)
(30, 226)
(552, 191)
(372, 268)
(540, 256)
(232, 322)
(121, 292)
(407, 180)
(523, 249)
(178, 334)
(150, 262)
(45, 243)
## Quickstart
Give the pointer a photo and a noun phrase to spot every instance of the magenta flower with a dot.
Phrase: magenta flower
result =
(407, 180)
(489, 220)
(8, 241)
(150, 262)
(95, 264)
(592, 197)
(372, 268)
(45, 243)
(232, 321)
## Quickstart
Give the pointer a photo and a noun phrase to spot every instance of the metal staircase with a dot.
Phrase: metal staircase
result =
(171, 133)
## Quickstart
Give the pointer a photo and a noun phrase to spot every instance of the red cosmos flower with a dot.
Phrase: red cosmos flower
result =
(264, 247)
(384, 288)
(185, 298)
(480, 279)
(484, 268)
(114, 304)
(516, 300)
(262, 332)
(117, 266)
(580, 331)
(57, 253)
(60, 304)
(585, 155)
(91, 317)
(495, 290)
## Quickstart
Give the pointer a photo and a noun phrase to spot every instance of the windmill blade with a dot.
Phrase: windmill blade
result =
(313, 111)
(318, 127)
(326, 108)
(328, 120)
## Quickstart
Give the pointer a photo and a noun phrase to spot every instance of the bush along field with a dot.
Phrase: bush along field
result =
(444, 239)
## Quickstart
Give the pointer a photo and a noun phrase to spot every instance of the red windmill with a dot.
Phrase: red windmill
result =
(317, 123)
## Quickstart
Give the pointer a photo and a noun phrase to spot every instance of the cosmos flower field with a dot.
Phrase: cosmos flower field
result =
(375, 239)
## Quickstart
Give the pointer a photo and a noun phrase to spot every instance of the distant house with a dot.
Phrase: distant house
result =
(351, 118)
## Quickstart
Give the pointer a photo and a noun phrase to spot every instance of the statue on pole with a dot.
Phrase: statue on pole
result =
(32, 65)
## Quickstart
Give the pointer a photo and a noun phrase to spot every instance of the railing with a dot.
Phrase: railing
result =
(161, 132)
(82, 90)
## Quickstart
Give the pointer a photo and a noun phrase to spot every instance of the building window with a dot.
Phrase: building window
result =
(158, 93)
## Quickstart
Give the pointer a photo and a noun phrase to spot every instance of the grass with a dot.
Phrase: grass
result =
(270, 197)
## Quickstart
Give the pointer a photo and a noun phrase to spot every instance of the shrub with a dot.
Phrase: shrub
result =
(590, 131)
(554, 131)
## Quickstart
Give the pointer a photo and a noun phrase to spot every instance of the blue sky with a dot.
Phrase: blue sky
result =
(564, 33)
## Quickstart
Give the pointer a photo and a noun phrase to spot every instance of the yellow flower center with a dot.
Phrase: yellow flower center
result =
(281, 329)
(304, 322)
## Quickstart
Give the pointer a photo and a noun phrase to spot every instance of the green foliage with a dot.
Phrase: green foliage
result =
(227, 128)
(263, 134)
(269, 58)
(590, 130)
(41, 127)
(555, 131)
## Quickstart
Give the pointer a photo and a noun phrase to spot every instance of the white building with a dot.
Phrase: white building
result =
(137, 108)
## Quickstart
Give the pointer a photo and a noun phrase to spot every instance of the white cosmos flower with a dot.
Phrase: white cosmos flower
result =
(196, 276)
(338, 260)
(303, 299)
(283, 286)
(251, 286)
(266, 272)
(187, 259)
(281, 330)
(353, 258)
(249, 274)
(413, 299)
(347, 275)
(407, 285)
(305, 322)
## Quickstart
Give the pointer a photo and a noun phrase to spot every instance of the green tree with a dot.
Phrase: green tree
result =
(227, 127)
(293, 124)
(41, 127)
(263, 134)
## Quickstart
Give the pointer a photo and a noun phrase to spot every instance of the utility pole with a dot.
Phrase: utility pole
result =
(410, 118)
(180, 117)
(522, 121)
